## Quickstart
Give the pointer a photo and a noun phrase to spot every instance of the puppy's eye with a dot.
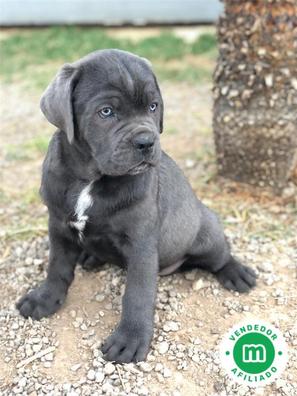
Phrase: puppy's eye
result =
(153, 106)
(106, 112)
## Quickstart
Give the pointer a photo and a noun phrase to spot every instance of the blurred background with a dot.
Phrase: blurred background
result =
(108, 12)
(37, 37)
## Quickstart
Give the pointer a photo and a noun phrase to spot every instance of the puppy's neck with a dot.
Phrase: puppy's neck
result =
(79, 159)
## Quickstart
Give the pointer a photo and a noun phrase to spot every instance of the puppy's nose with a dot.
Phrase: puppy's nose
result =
(143, 141)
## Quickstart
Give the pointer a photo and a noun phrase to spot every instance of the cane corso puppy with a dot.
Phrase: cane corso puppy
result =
(114, 196)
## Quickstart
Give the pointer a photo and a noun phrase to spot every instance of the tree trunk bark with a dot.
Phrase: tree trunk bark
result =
(255, 92)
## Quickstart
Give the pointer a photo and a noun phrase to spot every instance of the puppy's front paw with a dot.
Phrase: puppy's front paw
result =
(235, 276)
(127, 345)
(41, 302)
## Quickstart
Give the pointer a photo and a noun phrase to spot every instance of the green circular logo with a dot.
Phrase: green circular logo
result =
(254, 353)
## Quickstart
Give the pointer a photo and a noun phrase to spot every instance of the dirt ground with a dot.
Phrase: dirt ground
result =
(60, 355)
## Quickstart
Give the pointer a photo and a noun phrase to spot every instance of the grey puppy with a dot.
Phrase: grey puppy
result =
(114, 196)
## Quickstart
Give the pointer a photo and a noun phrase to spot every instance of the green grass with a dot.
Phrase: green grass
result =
(38, 144)
(27, 150)
(14, 152)
(205, 43)
(35, 55)
(184, 73)
(31, 196)
(166, 46)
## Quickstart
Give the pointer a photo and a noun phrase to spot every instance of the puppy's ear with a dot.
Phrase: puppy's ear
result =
(56, 102)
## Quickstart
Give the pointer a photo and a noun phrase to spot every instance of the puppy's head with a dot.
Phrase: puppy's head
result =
(110, 100)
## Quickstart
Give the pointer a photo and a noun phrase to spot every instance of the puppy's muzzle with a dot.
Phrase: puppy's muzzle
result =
(144, 142)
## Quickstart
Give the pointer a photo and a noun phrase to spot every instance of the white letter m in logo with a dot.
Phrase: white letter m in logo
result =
(253, 353)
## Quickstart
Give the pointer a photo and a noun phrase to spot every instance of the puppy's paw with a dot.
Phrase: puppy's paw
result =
(41, 302)
(235, 276)
(127, 345)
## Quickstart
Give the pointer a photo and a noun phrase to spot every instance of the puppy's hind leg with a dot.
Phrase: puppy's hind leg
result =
(211, 252)
(236, 276)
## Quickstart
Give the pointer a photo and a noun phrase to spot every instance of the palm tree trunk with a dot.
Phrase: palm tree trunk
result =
(255, 92)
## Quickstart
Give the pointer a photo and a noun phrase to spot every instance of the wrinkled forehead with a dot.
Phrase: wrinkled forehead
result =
(131, 79)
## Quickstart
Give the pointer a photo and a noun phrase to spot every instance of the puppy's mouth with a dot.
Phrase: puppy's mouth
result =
(140, 168)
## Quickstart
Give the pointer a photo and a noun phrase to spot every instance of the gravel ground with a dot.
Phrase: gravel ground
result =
(61, 355)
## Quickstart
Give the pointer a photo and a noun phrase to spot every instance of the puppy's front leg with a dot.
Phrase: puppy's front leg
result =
(49, 296)
(131, 339)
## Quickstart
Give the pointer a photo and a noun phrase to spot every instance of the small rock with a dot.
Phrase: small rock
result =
(224, 90)
(49, 357)
(29, 261)
(265, 267)
(91, 375)
(67, 387)
(170, 326)
(261, 51)
(189, 163)
(167, 373)
(107, 388)
(146, 367)
(294, 83)
(100, 297)
(226, 118)
(269, 80)
(28, 350)
(191, 275)
(109, 368)
(143, 391)
(163, 347)
(75, 367)
(233, 93)
(35, 340)
(159, 367)
(99, 377)
(280, 383)
(199, 284)
(37, 261)
(22, 382)
(269, 281)
(36, 348)
(196, 358)
(19, 251)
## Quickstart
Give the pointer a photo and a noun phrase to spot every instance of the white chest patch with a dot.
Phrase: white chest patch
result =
(84, 202)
